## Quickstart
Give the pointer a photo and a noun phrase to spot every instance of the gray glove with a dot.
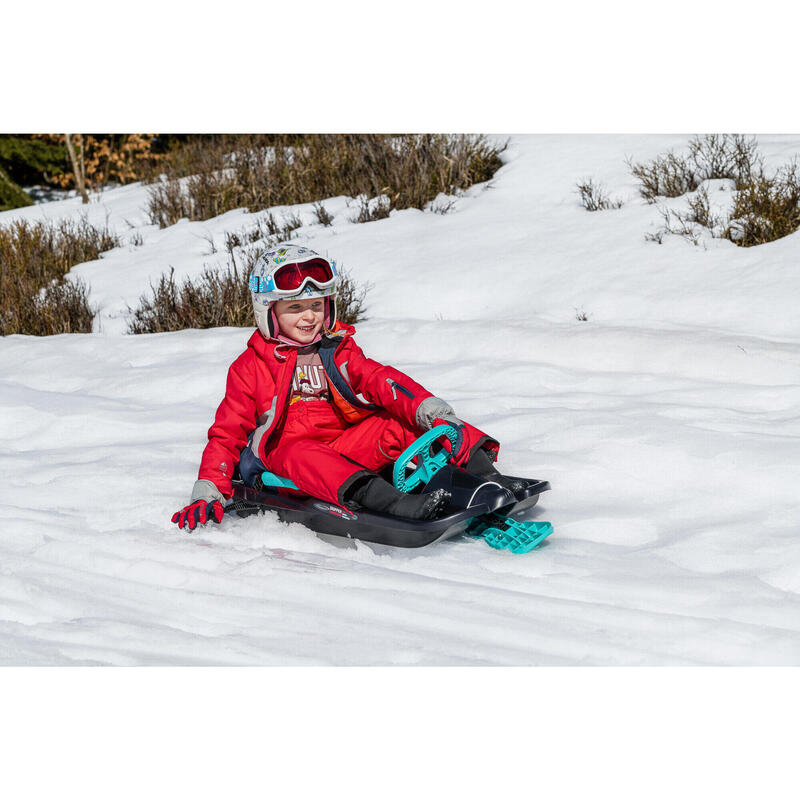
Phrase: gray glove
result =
(433, 408)
(205, 490)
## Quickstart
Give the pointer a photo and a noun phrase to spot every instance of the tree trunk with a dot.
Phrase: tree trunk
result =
(79, 178)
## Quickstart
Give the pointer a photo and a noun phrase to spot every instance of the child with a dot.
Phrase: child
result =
(303, 401)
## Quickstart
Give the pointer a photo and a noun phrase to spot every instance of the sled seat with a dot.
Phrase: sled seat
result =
(272, 481)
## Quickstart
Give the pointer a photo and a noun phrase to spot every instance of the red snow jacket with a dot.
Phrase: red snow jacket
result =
(259, 385)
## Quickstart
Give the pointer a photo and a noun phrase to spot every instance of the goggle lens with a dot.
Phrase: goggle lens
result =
(292, 275)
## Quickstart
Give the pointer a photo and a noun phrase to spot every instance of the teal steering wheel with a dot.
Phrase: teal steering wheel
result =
(428, 464)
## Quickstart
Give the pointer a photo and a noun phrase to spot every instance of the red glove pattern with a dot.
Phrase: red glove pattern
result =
(201, 511)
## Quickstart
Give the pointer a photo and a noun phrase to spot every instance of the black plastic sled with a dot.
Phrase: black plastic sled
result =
(477, 505)
(370, 526)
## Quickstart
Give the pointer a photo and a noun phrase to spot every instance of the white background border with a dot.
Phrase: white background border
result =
(399, 732)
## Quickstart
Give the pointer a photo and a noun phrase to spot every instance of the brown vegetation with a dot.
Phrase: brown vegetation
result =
(104, 158)
(594, 197)
(765, 206)
(732, 156)
(34, 258)
(205, 178)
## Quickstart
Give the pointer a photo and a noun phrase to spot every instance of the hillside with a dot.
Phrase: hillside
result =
(665, 421)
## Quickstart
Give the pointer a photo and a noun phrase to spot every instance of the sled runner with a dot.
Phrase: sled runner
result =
(478, 506)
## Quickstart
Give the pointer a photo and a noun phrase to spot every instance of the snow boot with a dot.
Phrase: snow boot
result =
(467, 490)
(481, 464)
(376, 494)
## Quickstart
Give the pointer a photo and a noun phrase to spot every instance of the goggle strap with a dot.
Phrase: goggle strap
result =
(263, 284)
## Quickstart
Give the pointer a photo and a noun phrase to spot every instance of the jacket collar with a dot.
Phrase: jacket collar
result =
(271, 349)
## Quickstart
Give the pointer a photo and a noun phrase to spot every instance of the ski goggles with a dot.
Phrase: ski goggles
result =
(290, 279)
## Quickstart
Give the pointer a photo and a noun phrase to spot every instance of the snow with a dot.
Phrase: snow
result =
(666, 423)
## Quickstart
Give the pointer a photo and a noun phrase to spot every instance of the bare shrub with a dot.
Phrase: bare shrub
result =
(767, 208)
(291, 223)
(732, 156)
(166, 204)
(665, 176)
(700, 209)
(62, 307)
(233, 240)
(444, 205)
(323, 217)
(271, 225)
(657, 237)
(594, 197)
(690, 224)
(711, 156)
(209, 176)
(680, 224)
(208, 237)
(370, 210)
(350, 299)
(35, 256)
(218, 298)
(263, 228)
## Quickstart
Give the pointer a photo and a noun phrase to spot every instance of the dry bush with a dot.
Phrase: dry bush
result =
(291, 223)
(104, 158)
(677, 223)
(263, 228)
(350, 299)
(34, 258)
(581, 315)
(220, 297)
(323, 217)
(725, 155)
(62, 307)
(657, 236)
(732, 156)
(370, 210)
(690, 224)
(700, 210)
(767, 208)
(665, 176)
(205, 178)
(594, 197)
(444, 205)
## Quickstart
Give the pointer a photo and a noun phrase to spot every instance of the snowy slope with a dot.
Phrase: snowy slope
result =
(667, 424)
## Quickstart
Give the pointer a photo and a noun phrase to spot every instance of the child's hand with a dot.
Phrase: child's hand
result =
(199, 512)
(433, 410)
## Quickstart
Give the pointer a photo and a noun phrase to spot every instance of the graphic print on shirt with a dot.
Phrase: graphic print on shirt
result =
(309, 382)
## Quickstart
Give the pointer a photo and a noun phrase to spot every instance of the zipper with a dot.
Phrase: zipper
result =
(291, 363)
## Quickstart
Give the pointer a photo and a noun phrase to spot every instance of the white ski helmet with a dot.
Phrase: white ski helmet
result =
(287, 272)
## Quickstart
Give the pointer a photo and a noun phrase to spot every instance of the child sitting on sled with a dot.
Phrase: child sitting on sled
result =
(304, 401)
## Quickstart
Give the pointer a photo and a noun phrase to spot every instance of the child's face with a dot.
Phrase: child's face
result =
(300, 320)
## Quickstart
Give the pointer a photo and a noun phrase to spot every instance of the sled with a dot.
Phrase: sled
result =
(478, 507)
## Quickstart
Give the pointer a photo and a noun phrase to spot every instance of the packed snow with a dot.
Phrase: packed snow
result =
(666, 422)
